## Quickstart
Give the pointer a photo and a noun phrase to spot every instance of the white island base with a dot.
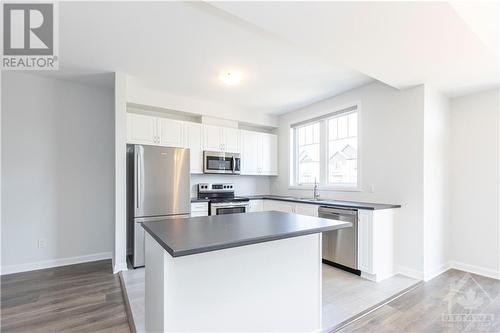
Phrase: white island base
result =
(270, 286)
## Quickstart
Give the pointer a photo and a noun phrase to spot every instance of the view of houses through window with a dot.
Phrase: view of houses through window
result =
(308, 153)
(343, 149)
(326, 151)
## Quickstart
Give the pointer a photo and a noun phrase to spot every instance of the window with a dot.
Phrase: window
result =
(325, 149)
(308, 152)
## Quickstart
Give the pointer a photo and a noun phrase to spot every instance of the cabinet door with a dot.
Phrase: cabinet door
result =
(256, 206)
(142, 129)
(250, 152)
(365, 242)
(280, 206)
(269, 154)
(231, 142)
(171, 132)
(193, 141)
(212, 137)
(305, 209)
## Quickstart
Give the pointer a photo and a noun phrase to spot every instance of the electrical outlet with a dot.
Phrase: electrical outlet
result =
(42, 243)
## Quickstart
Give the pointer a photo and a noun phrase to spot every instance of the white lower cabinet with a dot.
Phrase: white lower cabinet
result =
(199, 209)
(376, 243)
(291, 207)
(306, 209)
(256, 206)
(281, 206)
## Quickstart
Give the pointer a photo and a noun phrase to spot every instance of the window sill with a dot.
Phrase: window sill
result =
(325, 188)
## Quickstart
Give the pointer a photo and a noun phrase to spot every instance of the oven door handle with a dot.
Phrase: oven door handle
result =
(229, 205)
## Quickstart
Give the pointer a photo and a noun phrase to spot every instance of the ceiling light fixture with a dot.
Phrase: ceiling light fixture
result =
(230, 78)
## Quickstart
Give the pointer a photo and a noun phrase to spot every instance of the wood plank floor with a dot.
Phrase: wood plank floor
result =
(455, 301)
(77, 298)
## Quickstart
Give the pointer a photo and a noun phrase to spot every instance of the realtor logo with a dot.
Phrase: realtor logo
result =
(29, 36)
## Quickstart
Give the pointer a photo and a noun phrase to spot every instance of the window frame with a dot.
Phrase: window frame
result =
(324, 145)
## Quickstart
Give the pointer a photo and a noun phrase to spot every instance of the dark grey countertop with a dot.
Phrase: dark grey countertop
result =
(186, 236)
(326, 202)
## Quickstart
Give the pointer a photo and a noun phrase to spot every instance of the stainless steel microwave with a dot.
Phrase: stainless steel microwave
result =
(220, 162)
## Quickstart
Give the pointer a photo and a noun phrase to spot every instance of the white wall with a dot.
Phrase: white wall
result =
(436, 182)
(475, 194)
(120, 181)
(391, 134)
(57, 172)
(245, 185)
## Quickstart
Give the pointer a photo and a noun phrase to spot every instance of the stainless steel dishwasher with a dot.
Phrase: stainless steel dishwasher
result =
(340, 247)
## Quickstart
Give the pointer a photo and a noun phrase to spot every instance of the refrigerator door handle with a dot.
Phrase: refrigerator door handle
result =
(138, 178)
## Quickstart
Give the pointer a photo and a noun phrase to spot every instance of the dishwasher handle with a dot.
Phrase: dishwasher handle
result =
(338, 211)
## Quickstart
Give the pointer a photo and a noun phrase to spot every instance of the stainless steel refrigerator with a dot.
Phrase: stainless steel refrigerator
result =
(158, 188)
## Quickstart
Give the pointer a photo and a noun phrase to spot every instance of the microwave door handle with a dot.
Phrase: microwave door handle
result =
(234, 165)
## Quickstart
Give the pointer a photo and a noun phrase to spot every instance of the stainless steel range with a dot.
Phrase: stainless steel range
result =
(222, 199)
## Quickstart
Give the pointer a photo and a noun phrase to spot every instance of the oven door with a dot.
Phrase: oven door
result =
(228, 208)
(217, 162)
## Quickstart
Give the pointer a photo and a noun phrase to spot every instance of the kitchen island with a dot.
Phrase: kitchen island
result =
(241, 272)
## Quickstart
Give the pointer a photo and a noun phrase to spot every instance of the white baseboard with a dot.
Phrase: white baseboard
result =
(409, 272)
(9, 269)
(436, 271)
(118, 267)
(488, 272)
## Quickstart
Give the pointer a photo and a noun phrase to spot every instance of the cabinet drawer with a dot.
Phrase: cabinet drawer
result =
(199, 207)
(196, 214)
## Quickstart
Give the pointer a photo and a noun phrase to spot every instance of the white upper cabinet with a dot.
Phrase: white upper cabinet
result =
(259, 153)
(142, 129)
(251, 143)
(212, 138)
(269, 154)
(194, 141)
(231, 141)
(216, 138)
(171, 132)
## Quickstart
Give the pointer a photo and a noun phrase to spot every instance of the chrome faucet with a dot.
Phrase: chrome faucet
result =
(315, 190)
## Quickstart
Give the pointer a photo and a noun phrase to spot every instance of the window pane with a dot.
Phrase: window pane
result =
(343, 151)
(332, 129)
(353, 124)
(308, 152)
(342, 127)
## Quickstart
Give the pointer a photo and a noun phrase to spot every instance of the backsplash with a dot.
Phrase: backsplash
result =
(245, 185)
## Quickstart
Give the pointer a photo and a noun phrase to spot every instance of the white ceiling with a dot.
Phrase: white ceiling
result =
(182, 47)
(399, 43)
(290, 53)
